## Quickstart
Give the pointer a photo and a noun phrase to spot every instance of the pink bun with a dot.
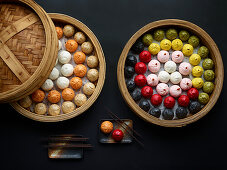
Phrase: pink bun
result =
(185, 68)
(175, 91)
(154, 66)
(162, 89)
(163, 56)
(186, 84)
(152, 80)
(177, 56)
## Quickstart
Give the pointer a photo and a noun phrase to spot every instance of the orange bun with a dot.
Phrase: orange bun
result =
(106, 127)
(59, 32)
(80, 70)
(54, 96)
(79, 57)
(68, 94)
(76, 83)
(71, 46)
(38, 96)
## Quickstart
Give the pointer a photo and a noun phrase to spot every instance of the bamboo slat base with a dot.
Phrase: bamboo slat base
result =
(28, 48)
(64, 19)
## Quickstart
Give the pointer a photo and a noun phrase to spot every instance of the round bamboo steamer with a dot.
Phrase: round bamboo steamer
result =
(28, 48)
(64, 19)
(214, 54)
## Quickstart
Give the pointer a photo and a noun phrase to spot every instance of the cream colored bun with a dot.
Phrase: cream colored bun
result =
(26, 102)
(54, 110)
(80, 37)
(89, 88)
(175, 77)
(47, 85)
(93, 75)
(87, 47)
(54, 74)
(163, 76)
(62, 82)
(67, 70)
(170, 66)
(92, 61)
(68, 107)
(40, 108)
(64, 56)
(68, 30)
(80, 99)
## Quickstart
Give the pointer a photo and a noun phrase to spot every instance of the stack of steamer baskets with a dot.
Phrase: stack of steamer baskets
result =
(29, 52)
(170, 73)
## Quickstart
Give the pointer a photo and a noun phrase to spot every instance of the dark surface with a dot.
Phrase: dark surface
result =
(198, 146)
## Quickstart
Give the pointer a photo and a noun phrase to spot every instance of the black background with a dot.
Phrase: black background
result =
(197, 146)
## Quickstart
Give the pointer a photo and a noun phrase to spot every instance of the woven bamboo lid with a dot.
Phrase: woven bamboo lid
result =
(28, 48)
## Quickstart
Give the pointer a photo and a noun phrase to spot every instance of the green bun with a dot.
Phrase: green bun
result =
(147, 39)
(208, 87)
(171, 34)
(194, 41)
(208, 64)
(159, 35)
(203, 98)
(184, 35)
(209, 75)
(203, 51)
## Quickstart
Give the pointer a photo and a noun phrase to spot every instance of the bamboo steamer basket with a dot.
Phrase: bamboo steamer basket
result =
(64, 19)
(28, 48)
(214, 54)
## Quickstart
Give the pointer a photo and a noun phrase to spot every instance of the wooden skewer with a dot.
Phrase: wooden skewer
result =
(68, 146)
(124, 123)
(127, 130)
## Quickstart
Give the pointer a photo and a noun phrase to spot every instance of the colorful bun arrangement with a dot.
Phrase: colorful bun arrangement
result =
(169, 73)
(73, 79)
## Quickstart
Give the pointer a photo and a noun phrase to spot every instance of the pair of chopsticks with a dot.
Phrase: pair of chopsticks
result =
(66, 141)
(125, 127)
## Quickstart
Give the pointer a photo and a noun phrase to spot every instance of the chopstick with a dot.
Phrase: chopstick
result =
(123, 123)
(52, 145)
(66, 135)
(69, 139)
(119, 122)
